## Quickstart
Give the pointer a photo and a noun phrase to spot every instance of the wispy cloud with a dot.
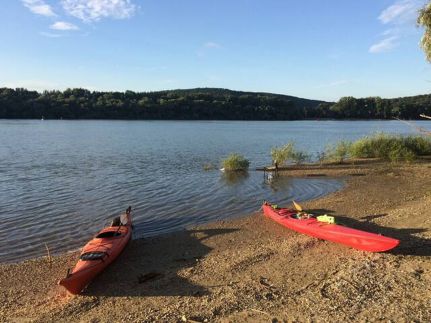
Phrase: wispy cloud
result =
(333, 84)
(400, 12)
(206, 47)
(211, 44)
(49, 35)
(94, 10)
(39, 7)
(168, 81)
(400, 17)
(63, 25)
(385, 45)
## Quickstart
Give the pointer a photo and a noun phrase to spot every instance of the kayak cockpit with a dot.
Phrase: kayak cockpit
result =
(295, 215)
(108, 234)
(285, 212)
(93, 255)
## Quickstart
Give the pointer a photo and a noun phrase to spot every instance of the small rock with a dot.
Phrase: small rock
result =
(269, 296)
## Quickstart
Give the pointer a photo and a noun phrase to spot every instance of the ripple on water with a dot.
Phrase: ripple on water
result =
(61, 181)
(69, 216)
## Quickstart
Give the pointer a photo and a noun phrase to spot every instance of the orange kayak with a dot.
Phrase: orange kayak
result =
(311, 226)
(98, 253)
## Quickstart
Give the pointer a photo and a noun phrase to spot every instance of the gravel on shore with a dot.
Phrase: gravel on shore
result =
(253, 270)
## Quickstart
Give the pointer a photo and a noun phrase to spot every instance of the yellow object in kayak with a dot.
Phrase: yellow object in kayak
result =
(297, 206)
(326, 218)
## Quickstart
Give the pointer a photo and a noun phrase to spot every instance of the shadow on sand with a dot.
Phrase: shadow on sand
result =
(410, 245)
(156, 266)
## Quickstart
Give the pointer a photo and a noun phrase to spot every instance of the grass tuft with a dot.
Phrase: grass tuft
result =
(391, 147)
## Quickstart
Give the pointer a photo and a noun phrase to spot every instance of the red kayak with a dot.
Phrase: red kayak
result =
(310, 225)
(98, 253)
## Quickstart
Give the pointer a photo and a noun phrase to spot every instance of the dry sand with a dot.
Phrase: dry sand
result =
(253, 270)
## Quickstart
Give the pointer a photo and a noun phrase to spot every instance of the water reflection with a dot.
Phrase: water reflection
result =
(234, 178)
(278, 183)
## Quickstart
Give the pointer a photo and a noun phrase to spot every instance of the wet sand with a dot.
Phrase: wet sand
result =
(253, 270)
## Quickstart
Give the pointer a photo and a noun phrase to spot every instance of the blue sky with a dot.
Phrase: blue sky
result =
(309, 48)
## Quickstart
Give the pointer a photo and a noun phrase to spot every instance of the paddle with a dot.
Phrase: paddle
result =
(297, 206)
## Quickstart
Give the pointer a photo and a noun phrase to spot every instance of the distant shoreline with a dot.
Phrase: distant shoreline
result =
(236, 120)
(200, 104)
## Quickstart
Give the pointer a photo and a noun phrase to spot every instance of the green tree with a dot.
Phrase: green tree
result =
(424, 20)
(346, 107)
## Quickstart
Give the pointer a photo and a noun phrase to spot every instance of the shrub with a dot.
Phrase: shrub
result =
(391, 147)
(420, 145)
(235, 162)
(300, 157)
(338, 153)
(283, 154)
(288, 153)
(376, 146)
(362, 148)
(401, 153)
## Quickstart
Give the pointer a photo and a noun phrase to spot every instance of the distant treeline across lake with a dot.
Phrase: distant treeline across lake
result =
(199, 104)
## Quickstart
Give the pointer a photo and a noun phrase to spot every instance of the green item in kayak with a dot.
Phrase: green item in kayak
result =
(326, 219)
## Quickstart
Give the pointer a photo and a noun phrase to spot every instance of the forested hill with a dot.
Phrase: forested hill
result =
(193, 104)
(199, 104)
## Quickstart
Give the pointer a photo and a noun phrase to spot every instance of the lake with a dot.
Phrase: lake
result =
(61, 181)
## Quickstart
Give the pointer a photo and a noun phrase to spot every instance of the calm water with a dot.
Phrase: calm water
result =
(60, 181)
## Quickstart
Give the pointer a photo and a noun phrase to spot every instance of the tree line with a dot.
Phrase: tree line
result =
(199, 104)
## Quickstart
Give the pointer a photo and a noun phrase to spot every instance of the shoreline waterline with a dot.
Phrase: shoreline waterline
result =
(62, 181)
(223, 270)
(306, 189)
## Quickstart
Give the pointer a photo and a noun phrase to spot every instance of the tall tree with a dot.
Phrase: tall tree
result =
(424, 20)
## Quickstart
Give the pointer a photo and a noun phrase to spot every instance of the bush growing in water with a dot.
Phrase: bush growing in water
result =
(288, 152)
(235, 162)
(390, 147)
(282, 154)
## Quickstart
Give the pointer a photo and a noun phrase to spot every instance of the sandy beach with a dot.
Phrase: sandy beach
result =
(252, 270)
